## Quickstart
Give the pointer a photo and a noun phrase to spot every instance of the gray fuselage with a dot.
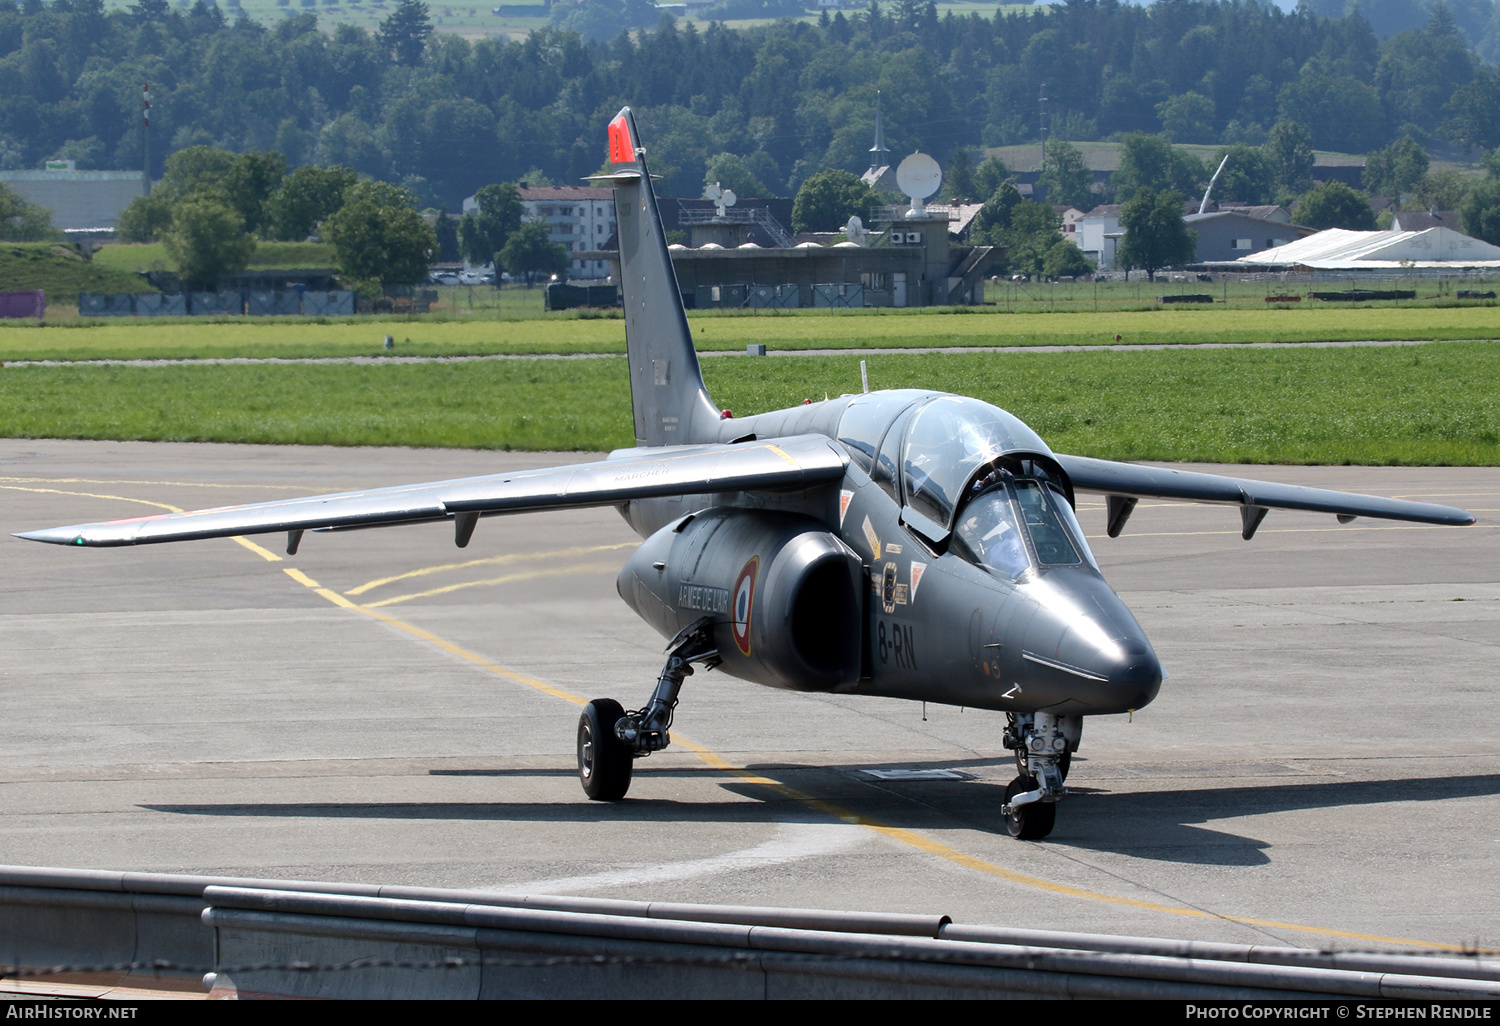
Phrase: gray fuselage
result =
(936, 622)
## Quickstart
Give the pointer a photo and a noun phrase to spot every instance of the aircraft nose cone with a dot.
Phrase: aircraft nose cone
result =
(1131, 672)
(1100, 644)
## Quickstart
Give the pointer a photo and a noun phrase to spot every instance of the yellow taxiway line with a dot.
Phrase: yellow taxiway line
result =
(900, 835)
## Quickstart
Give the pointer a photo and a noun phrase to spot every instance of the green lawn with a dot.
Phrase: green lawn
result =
(459, 333)
(152, 256)
(1433, 404)
(62, 272)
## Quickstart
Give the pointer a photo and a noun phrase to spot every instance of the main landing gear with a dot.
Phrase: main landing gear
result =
(610, 739)
(1043, 745)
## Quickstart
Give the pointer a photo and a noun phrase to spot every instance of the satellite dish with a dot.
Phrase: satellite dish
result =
(918, 177)
(721, 197)
(854, 231)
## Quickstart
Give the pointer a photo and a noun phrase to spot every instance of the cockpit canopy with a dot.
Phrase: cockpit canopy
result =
(969, 474)
(949, 440)
(924, 448)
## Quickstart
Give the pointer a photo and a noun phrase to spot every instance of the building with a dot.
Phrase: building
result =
(1421, 220)
(881, 173)
(1340, 249)
(1227, 235)
(1097, 234)
(1266, 212)
(581, 218)
(909, 262)
(1070, 216)
(80, 201)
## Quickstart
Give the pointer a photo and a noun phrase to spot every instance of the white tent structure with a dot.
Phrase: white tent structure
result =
(1339, 249)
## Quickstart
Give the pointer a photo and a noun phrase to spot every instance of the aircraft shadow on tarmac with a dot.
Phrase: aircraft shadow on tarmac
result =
(1154, 825)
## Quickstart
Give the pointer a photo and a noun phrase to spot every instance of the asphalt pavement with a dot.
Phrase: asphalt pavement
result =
(1322, 767)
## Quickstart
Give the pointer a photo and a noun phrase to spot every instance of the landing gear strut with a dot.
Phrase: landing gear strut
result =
(610, 738)
(1043, 746)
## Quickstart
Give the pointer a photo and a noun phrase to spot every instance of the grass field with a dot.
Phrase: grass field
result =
(152, 256)
(1391, 405)
(62, 272)
(191, 338)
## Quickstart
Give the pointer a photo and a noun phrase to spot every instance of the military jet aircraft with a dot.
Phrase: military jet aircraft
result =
(906, 544)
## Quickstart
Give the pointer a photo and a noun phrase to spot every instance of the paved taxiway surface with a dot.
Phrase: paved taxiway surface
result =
(384, 707)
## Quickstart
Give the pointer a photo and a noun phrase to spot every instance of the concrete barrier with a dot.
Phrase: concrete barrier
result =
(316, 939)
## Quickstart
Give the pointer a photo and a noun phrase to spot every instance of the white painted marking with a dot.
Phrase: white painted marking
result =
(913, 774)
(793, 842)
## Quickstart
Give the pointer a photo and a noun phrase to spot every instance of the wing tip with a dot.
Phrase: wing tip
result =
(53, 536)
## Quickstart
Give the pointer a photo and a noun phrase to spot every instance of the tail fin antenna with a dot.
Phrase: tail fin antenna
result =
(671, 404)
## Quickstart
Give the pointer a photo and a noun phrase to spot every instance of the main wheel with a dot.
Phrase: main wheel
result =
(1029, 822)
(603, 760)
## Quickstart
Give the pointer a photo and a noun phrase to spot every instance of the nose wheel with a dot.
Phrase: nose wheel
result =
(1030, 822)
(1043, 745)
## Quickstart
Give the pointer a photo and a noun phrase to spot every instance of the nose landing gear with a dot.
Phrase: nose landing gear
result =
(609, 738)
(1043, 745)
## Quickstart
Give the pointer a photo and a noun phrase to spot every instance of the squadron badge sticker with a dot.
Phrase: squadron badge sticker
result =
(744, 604)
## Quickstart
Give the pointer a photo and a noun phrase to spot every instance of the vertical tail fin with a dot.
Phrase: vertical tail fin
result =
(666, 386)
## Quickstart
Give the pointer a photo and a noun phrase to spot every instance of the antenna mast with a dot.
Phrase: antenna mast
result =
(1204, 205)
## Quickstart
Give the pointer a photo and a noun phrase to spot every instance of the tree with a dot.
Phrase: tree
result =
(828, 199)
(1481, 211)
(445, 227)
(959, 175)
(1335, 205)
(732, 172)
(1188, 117)
(1342, 112)
(404, 34)
(993, 218)
(252, 179)
(1472, 120)
(1395, 169)
(208, 240)
(23, 221)
(146, 218)
(197, 167)
(528, 251)
(1291, 152)
(484, 231)
(1442, 190)
(1065, 260)
(990, 175)
(307, 196)
(1249, 176)
(1065, 177)
(378, 237)
(1155, 234)
(1029, 235)
(1151, 162)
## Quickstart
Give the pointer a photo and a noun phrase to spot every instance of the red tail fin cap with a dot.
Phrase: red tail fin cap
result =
(621, 146)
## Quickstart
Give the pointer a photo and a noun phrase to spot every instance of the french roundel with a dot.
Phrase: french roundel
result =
(744, 604)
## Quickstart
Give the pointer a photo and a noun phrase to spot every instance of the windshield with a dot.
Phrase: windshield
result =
(988, 534)
(1048, 537)
(949, 439)
(1016, 523)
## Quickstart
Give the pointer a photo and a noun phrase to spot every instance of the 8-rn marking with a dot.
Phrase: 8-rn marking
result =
(893, 642)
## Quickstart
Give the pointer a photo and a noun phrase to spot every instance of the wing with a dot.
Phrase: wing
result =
(1124, 483)
(787, 464)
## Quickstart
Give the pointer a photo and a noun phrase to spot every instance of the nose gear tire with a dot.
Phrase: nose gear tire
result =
(1028, 822)
(604, 763)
